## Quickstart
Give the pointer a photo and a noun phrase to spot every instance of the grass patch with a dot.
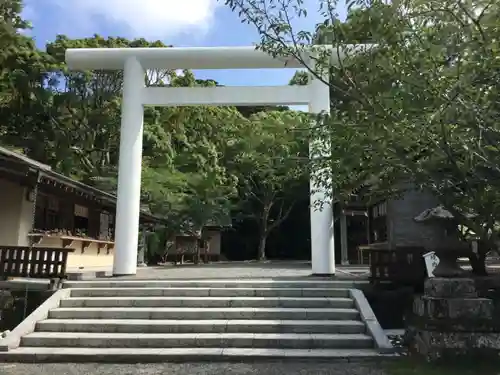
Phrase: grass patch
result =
(414, 367)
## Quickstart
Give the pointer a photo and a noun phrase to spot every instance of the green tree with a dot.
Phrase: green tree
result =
(88, 108)
(78, 114)
(193, 186)
(190, 180)
(191, 170)
(272, 167)
(421, 105)
(22, 77)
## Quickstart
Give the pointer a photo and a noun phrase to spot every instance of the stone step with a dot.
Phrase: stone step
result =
(201, 326)
(297, 302)
(210, 292)
(183, 355)
(166, 313)
(204, 340)
(218, 283)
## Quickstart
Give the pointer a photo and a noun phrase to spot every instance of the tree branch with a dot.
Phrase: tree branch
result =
(281, 217)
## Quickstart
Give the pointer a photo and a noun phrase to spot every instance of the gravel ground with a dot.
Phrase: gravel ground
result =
(270, 368)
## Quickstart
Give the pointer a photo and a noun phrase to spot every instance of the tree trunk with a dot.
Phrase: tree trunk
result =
(478, 261)
(197, 254)
(478, 265)
(262, 247)
(264, 232)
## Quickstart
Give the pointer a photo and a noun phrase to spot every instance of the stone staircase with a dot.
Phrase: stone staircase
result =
(177, 320)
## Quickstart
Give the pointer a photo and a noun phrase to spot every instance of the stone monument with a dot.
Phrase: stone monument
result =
(456, 318)
(450, 246)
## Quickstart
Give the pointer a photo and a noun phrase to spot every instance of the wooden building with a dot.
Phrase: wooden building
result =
(391, 224)
(41, 207)
(206, 242)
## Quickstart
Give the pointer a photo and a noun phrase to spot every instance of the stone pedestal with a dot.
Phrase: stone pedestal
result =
(141, 249)
(456, 318)
(140, 257)
(6, 303)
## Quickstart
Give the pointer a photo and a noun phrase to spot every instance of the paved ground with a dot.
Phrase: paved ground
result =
(269, 368)
(238, 270)
(223, 270)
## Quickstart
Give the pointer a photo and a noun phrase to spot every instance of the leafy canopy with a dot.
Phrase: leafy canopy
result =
(420, 105)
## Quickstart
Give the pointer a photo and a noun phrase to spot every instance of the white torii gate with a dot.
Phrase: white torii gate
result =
(134, 62)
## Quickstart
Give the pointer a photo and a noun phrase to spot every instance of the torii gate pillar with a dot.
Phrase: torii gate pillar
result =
(129, 171)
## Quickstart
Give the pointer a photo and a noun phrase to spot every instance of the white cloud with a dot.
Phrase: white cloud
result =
(143, 18)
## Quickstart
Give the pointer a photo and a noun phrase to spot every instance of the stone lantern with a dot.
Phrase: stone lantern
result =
(449, 246)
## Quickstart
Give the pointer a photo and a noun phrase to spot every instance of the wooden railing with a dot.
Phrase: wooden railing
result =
(33, 262)
(401, 265)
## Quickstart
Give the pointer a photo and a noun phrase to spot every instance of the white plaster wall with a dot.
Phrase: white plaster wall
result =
(26, 219)
(214, 242)
(91, 257)
(11, 202)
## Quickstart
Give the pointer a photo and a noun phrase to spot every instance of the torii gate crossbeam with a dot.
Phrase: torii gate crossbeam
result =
(134, 62)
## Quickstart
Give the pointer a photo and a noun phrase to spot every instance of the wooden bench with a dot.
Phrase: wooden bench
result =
(34, 262)
(400, 265)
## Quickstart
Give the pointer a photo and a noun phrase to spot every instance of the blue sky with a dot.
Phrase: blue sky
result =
(177, 22)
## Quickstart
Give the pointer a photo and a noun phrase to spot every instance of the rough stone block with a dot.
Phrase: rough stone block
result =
(450, 288)
(6, 300)
(453, 308)
(488, 287)
(440, 345)
(457, 318)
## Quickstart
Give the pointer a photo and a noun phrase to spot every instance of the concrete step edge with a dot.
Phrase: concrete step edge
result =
(212, 309)
(145, 355)
(180, 336)
(225, 284)
(204, 288)
(202, 322)
(191, 313)
(207, 292)
(139, 326)
(223, 281)
(255, 302)
(209, 298)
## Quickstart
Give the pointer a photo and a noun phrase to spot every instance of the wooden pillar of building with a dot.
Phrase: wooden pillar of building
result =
(67, 210)
(94, 222)
(343, 240)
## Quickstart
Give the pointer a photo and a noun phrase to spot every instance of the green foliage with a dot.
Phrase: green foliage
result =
(420, 106)
(300, 78)
(22, 73)
(199, 163)
(194, 180)
(272, 167)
